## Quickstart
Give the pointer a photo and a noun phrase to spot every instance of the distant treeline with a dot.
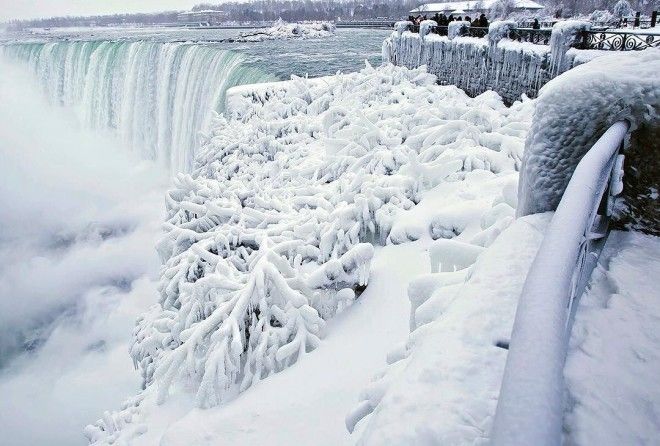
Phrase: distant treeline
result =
(101, 20)
(297, 10)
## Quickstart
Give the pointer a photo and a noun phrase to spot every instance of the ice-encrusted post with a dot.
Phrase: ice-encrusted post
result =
(426, 27)
(499, 30)
(564, 35)
(455, 29)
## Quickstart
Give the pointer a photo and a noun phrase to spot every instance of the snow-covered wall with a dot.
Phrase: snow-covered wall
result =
(475, 65)
(575, 109)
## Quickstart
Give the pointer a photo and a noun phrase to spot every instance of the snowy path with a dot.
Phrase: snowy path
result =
(613, 363)
(308, 402)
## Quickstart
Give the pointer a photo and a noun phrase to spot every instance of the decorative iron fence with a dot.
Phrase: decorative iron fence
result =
(592, 40)
(537, 36)
(617, 41)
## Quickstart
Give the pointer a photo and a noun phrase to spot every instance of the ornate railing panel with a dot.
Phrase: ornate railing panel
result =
(537, 36)
(618, 41)
(593, 40)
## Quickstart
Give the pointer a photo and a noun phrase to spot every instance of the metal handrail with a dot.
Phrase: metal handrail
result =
(530, 406)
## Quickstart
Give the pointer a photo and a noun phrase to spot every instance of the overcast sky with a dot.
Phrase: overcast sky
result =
(22, 9)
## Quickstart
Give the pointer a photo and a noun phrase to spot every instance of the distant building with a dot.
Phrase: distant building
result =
(207, 17)
(472, 7)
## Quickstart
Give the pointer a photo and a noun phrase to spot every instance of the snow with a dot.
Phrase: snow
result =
(293, 188)
(284, 30)
(614, 356)
(601, 90)
(441, 387)
(306, 403)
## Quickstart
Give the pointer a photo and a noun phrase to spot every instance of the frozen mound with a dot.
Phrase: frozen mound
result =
(284, 30)
(575, 109)
(274, 231)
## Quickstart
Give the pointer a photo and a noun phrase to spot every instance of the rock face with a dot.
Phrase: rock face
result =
(574, 110)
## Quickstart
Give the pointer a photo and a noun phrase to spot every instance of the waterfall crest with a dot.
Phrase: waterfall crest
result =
(156, 96)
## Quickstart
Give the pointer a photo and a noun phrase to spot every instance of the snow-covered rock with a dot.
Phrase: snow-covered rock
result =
(284, 30)
(574, 110)
(273, 233)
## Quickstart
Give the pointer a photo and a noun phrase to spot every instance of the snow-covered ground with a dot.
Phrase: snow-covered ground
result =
(613, 363)
(284, 30)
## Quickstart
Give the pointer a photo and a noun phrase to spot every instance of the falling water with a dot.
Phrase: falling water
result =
(156, 96)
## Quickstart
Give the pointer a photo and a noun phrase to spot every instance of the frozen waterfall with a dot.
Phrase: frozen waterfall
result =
(156, 96)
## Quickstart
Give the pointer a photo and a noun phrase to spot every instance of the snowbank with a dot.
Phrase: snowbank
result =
(284, 30)
(614, 355)
(441, 387)
(574, 110)
(273, 233)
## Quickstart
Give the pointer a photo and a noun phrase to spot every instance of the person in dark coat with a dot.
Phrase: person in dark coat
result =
(536, 24)
(451, 19)
(483, 21)
(468, 19)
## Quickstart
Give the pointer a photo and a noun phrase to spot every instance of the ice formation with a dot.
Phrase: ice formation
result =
(456, 28)
(574, 110)
(499, 30)
(284, 30)
(496, 63)
(564, 34)
(273, 232)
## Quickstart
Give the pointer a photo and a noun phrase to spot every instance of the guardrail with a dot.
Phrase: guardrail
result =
(593, 39)
(530, 406)
(373, 24)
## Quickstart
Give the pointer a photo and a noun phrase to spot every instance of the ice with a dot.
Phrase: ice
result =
(456, 28)
(496, 63)
(564, 34)
(274, 231)
(564, 130)
(284, 30)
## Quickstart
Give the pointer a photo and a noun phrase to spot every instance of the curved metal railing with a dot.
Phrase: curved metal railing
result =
(530, 406)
